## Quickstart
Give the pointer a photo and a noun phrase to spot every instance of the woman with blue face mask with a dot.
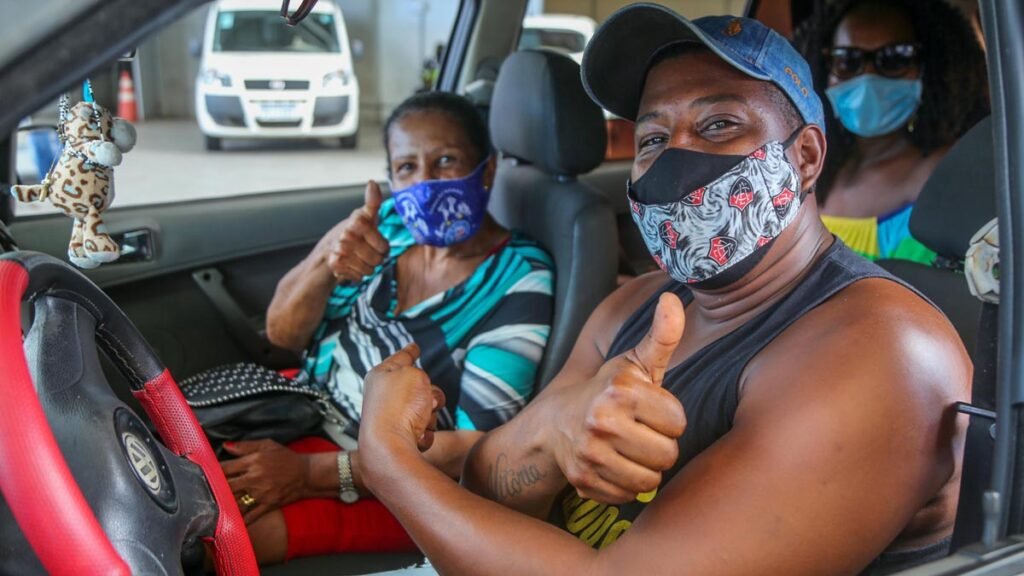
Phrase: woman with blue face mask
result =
(903, 80)
(427, 266)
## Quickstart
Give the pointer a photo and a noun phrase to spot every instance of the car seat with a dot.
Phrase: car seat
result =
(958, 199)
(548, 132)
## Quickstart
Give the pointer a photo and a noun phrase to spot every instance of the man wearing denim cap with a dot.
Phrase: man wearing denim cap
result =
(801, 423)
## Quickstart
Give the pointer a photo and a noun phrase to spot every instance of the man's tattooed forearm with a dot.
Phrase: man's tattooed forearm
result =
(506, 482)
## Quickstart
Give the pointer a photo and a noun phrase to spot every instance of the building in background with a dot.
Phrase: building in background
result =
(391, 39)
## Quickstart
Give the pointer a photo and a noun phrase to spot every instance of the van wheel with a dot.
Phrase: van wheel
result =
(350, 142)
(213, 143)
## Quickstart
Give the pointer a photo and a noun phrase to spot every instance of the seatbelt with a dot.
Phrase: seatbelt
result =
(978, 511)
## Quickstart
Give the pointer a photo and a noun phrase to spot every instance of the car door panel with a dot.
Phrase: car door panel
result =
(249, 241)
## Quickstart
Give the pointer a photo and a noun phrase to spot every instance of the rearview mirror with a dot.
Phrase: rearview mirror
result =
(37, 150)
(358, 49)
(195, 47)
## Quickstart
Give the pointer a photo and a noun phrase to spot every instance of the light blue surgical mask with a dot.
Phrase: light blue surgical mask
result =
(871, 105)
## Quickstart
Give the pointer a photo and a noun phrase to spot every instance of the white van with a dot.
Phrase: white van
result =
(561, 32)
(260, 78)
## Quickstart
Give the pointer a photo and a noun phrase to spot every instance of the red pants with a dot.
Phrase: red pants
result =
(324, 526)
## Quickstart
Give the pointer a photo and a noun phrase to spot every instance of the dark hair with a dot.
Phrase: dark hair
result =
(790, 116)
(455, 106)
(955, 85)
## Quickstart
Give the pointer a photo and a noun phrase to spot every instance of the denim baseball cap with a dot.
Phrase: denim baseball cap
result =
(617, 58)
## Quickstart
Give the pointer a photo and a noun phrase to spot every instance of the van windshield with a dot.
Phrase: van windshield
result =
(568, 41)
(266, 31)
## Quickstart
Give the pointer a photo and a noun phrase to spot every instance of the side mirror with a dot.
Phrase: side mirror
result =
(195, 47)
(37, 150)
(358, 49)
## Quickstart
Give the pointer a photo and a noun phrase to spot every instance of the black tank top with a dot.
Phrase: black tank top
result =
(707, 384)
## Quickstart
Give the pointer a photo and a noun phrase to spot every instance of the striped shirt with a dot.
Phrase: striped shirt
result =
(480, 341)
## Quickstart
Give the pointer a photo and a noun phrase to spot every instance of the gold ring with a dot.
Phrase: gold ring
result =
(247, 500)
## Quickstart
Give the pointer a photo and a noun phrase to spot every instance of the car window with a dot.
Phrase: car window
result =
(566, 26)
(229, 100)
(261, 31)
(567, 41)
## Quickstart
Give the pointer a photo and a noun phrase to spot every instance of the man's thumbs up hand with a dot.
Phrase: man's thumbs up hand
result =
(627, 434)
(655, 351)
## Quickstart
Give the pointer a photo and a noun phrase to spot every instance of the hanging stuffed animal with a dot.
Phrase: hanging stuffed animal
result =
(81, 182)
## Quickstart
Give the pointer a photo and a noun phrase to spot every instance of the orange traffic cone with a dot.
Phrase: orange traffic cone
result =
(126, 98)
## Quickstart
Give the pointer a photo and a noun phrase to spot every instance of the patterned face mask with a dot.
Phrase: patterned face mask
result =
(444, 212)
(704, 214)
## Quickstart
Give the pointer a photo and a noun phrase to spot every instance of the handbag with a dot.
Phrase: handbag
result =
(247, 401)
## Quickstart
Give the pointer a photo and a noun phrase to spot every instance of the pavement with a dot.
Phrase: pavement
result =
(170, 164)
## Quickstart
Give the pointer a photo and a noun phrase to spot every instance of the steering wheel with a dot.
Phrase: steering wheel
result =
(91, 489)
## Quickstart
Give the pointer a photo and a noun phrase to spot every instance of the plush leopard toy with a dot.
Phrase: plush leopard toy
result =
(81, 182)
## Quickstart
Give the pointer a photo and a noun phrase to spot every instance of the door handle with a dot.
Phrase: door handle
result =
(136, 245)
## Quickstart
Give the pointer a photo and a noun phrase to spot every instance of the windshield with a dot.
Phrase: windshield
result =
(266, 31)
(567, 41)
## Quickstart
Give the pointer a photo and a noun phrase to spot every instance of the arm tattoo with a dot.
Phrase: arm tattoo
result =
(507, 482)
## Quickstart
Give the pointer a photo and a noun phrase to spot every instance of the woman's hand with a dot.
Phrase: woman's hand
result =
(399, 409)
(265, 476)
(359, 246)
(346, 253)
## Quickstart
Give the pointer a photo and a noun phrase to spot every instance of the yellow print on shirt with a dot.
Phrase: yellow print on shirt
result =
(597, 524)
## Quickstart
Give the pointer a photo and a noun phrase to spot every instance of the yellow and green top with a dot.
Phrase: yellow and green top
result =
(881, 237)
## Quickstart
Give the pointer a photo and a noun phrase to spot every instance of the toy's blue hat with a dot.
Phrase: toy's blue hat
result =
(617, 58)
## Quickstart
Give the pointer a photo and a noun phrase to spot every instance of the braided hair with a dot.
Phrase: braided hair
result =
(955, 84)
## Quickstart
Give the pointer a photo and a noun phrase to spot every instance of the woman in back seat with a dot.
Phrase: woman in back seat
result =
(428, 266)
(905, 79)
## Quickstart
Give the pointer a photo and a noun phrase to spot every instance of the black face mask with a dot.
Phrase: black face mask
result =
(709, 219)
(678, 171)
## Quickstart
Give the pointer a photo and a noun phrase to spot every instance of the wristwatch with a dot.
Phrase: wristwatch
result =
(346, 484)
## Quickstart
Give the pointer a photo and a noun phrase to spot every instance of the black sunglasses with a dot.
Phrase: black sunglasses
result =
(890, 61)
(300, 14)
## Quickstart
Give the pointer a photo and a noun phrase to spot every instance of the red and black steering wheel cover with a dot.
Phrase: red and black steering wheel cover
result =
(162, 400)
(34, 477)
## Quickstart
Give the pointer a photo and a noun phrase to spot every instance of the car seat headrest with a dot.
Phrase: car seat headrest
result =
(540, 114)
(959, 197)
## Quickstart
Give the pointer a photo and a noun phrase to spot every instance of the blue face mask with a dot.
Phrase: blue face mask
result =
(871, 105)
(444, 212)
